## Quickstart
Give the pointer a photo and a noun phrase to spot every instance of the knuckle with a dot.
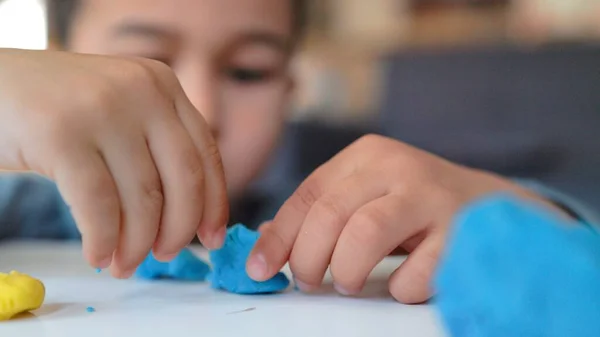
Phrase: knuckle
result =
(162, 74)
(134, 72)
(104, 193)
(153, 197)
(274, 236)
(367, 227)
(158, 67)
(193, 175)
(329, 210)
(306, 195)
(139, 75)
(214, 156)
(369, 141)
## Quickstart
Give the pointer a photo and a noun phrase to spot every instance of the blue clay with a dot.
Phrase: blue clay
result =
(229, 265)
(515, 269)
(185, 266)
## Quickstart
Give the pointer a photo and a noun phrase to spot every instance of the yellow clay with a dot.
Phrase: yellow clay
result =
(19, 293)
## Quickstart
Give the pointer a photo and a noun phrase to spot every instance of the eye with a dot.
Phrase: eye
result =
(247, 75)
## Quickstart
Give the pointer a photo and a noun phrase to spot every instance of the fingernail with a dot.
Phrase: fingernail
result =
(218, 238)
(105, 263)
(341, 290)
(165, 257)
(303, 287)
(257, 267)
(127, 274)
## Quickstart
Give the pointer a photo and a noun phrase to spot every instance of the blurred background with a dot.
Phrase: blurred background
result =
(511, 86)
(348, 40)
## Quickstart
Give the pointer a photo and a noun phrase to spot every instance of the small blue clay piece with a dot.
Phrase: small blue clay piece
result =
(185, 267)
(90, 309)
(98, 270)
(229, 265)
(515, 269)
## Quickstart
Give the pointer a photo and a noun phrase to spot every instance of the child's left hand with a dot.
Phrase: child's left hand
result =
(373, 197)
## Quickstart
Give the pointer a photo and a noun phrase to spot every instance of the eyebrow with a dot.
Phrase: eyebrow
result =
(136, 28)
(264, 37)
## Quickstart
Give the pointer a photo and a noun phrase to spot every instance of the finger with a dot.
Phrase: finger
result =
(212, 227)
(412, 243)
(371, 234)
(411, 282)
(313, 248)
(409, 245)
(140, 191)
(275, 244)
(262, 227)
(182, 177)
(88, 188)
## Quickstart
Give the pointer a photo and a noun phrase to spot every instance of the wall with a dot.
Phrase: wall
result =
(340, 70)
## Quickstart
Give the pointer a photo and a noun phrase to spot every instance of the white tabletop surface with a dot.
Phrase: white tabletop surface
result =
(135, 308)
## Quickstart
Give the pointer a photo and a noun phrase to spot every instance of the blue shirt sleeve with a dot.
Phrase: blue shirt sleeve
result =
(31, 207)
(585, 213)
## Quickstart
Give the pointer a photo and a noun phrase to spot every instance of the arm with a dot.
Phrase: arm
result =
(32, 208)
(576, 208)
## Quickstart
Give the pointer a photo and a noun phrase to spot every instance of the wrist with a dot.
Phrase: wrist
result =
(496, 183)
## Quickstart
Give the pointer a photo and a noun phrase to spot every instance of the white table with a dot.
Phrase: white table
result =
(136, 308)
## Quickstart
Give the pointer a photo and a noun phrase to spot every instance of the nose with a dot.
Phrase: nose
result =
(202, 88)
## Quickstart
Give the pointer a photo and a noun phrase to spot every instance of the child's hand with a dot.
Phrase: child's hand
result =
(376, 195)
(130, 154)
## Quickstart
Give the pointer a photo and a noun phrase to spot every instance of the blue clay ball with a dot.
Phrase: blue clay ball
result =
(185, 267)
(229, 265)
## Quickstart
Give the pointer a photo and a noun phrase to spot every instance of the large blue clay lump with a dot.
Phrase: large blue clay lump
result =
(515, 269)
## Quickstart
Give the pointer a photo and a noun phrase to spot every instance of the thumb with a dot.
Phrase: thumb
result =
(411, 282)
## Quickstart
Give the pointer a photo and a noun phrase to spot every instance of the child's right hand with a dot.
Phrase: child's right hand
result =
(130, 154)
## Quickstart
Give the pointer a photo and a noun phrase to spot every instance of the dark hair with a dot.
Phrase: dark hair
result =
(61, 14)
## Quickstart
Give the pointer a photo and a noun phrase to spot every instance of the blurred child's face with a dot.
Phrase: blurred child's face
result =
(231, 56)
